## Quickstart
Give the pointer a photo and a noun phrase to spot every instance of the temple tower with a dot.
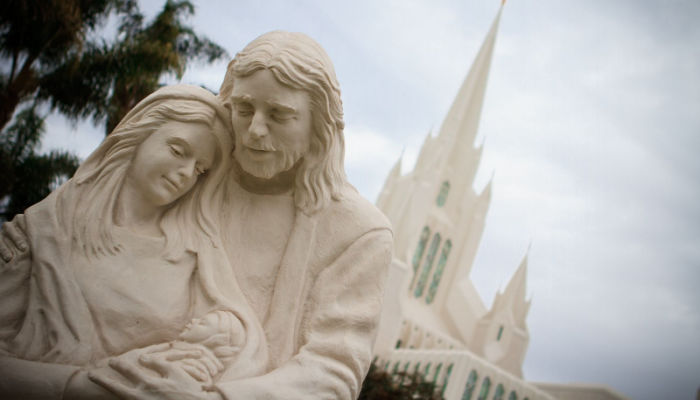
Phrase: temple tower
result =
(438, 217)
(501, 335)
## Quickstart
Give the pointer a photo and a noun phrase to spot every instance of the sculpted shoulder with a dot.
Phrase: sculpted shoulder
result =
(350, 217)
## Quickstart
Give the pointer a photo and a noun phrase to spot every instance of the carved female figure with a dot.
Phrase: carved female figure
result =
(126, 252)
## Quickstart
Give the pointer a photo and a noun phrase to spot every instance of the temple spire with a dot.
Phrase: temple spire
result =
(462, 121)
(515, 292)
(390, 184)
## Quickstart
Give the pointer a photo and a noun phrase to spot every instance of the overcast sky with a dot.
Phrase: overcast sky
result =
(592, 128)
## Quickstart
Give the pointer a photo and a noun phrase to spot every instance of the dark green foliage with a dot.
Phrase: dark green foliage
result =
(105, 80)
(36, 36)
(381, 385)
(26, 176)
(51, 54)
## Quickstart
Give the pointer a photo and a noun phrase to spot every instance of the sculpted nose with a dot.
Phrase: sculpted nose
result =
(258, 126)
(187, 170)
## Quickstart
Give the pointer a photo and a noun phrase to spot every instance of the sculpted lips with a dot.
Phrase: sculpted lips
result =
(260, 151)
(172, 184)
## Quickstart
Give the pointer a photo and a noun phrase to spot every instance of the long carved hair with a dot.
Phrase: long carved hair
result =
(187, 222)
(298, 62)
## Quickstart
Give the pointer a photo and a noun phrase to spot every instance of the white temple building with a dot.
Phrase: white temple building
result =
(434, 321)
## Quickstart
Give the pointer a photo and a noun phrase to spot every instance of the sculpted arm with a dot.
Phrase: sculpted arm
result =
(28, 380)
(338, 329)
(15, 269)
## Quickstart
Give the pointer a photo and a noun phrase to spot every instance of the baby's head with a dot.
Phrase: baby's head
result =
(220, 331)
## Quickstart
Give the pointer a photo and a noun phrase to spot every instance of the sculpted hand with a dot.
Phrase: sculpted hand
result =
(154, 375)
(203, 368)
(13, 239)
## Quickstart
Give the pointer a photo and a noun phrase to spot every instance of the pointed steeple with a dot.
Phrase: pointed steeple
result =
(514, 294)
(390, 184)
(462, 121)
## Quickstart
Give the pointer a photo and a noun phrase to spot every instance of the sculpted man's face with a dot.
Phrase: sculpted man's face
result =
(272, 124)
(168, 163)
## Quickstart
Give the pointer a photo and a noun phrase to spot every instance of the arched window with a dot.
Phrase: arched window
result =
(405, 372)
(500, 333)
(398, 344)
(418, 254)
(437, 373)
(427, 265)
(416, 370)
(432, 290)
(469, 387)
(442, 195)
(513, 395)
(427, 371)
(485, 389)
(500, 391)
(446, 379)
(395, 370)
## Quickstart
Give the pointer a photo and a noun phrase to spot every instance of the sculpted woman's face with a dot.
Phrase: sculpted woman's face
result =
(168, 163)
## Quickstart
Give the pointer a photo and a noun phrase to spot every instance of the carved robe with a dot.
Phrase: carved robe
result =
(326, 304)
(52, 314)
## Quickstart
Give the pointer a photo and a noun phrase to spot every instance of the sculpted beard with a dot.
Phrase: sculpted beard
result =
(283, 160)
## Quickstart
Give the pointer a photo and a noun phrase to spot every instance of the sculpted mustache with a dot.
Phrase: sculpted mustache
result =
(260, 146)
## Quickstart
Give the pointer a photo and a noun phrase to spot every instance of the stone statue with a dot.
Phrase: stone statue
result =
(273, 241)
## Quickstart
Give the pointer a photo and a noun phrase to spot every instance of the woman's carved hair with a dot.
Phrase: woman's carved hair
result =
(186, 222)
(298, 62)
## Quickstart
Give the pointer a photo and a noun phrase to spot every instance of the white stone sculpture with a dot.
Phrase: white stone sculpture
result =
(273, 238)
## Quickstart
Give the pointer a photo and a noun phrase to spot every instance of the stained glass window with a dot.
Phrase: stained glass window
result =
(395, 370)
(427, 265)
(500, 391)
(513, 395)
(405, 372)
(442, 195)
(418, 254)
(469, 387)
(485, 389)
(432, 290)
(437, 373)
(447, 378)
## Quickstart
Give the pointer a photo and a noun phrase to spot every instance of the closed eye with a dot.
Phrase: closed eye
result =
(244, 109)
(176, 150)
(282, 116)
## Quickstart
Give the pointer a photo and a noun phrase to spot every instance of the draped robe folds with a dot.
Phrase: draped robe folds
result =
(325, 306)
(45, 317)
